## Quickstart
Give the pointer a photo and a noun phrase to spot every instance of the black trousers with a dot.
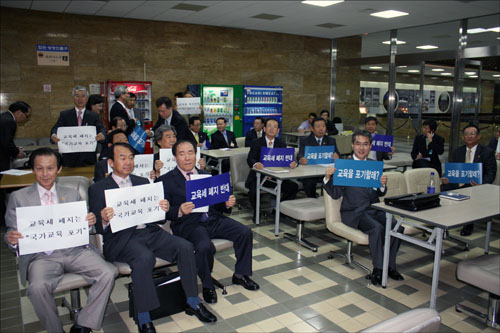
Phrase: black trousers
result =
(310, 185)
(288, 191)
(141, 252)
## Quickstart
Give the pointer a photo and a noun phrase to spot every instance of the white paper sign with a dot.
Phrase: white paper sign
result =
(52, 227)
(143, 165)
(133, 206)
(168, 160)
(189, 105)
(203, 209)
(76, 139)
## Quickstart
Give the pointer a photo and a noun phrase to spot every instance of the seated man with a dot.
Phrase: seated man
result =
(305, 126)
(330, 126)
(288, 188)
(140, 246)
(201, 228)
(472, 152)
(256, 132)
(427, 147)
(317, 137)
(356, 210)
(101, 167)
(222, 138)
(371, 126)
(44, 270)
(195, 134)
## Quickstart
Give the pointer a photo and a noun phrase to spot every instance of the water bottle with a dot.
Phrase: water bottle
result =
(431, 188)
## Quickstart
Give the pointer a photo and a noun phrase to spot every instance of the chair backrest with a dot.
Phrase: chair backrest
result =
(396, 184)
(332, 211)
(416, 320)
(497, 176)
(23, 142)
(417, 180)
(79, 183)
(240, 142)
(239, 167)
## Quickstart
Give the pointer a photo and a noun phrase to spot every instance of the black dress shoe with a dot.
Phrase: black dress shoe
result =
(209, 295)
(79, 329)
(467, 230)
(246, 282)
(395, 275)
(202, 313)
(147, 328)
(376, 277)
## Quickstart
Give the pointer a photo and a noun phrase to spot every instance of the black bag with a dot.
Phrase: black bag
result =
(414, 202)
(171, 295)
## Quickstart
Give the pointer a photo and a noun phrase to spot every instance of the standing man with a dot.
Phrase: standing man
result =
(371, 126)
(316, 138)
(169, 116)
(135, 114)
(427, 147)
(119, 108)
(197, 136)
(330, 126)
(18, 112)
(201, 228)
(256, 132)
(44, 270)
(288, 188)
(139, 246)
(472, 152)
(78, 116)
(223, 138)
(305, 126)
(356, 210)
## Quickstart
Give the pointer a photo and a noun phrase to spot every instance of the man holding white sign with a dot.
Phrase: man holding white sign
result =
(78, 116)
(44, 270)
(356, 210)
(140, 244)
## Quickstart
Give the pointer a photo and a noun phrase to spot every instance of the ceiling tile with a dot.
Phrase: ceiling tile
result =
(49, 6)
(84, 7)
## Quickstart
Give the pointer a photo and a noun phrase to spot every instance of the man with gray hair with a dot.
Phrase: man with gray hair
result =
(78, 116)
(119, 109)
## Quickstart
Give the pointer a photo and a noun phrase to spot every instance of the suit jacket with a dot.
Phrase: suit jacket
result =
(493, 143)
(483, 155)
(174, 188)
(202, 136)
(254, 156)
(117, 110)
(331, 129)
(68, 118)
(218, 141)
(433, 150)
(310, 140)
(8, 149)
(251, 135)
(356, 200)
(113, 242)
(139, 118)
(29, 196)
(100, 170)
(179, 124)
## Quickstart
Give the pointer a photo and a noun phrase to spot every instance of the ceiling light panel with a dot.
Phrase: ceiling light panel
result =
(427, 47)
(476, 30)
(437, 70)
(322, 3)
(398, 42)
(389, 14)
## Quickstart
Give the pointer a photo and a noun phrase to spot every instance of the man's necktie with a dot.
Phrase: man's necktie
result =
(319, 142)
(469, 156)
(79, 118)
(225, 137)
(197, 137)
(270, 144)
(48, 199)
(259, 134)
(166, 122)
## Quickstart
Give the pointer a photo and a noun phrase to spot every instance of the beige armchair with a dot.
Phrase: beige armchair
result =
(417, 180)
(416, 320)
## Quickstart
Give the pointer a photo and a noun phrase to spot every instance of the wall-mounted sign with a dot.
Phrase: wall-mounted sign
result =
(52, 55)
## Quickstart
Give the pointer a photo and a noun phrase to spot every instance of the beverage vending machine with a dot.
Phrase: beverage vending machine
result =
(261, 101)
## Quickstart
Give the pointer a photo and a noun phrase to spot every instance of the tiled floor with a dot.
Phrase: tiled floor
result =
(301, 291)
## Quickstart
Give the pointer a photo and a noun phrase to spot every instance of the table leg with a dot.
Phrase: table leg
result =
(219, 165)
(437, 262)
(257, 200)
(277, 208)
(387, 245)
(487, 239)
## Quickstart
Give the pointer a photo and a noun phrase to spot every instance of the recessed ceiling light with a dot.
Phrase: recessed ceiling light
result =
(427, 47)
(473, 76)
(404, 66)
(322, 3)
(398, 42)
(446, 74)
(496, 75)
(470, 73)
(476, 30)
(375, 67)
(437, 70)
(389, 14)
(413, 71)
(495, 29)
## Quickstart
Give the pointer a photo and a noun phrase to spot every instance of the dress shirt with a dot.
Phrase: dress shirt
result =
(42, 191)
(83, 113)
(305, 125)
(130, 113)
(259, 134)
(225, 136)
(472, 153)
(318, 140)
(168, 121)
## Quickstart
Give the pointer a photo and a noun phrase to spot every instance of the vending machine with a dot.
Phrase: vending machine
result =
(261, 101)
(142, 90)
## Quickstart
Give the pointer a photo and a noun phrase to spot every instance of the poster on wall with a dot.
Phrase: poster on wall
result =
(444, 102)
(52, 55)
(375, 97)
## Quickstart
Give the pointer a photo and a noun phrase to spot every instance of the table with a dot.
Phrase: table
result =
(481, 207)
(292, 138)
(9, 181)
(219, 155)
(403, 160)
(344, 141)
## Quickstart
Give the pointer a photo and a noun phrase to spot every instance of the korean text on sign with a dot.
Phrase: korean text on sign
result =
(458, 173)
(208, 191)
(137, 139)
(135, 205)
(143, 164)
(168, 160)
(319, 154)
(74, 139)
(189, 105)
(358, 173)
(382, 143)
(52, 227)
(277, 157)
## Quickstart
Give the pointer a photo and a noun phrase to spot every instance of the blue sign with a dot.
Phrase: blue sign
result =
(137, 139)
(52, 48)
(208, 191)
(319, 154)
(382, 143)
(464, 172)
(358, 173)
(277, 157)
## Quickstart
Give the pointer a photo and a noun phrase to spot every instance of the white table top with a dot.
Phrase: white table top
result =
(482, 205)
(217, 153)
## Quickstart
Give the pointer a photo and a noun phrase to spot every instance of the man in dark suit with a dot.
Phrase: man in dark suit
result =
(200, 228)
(101, 167)
(427, 147)
(44, 270)
(137, 114)
(169, 116)
(288, 188)
(371, 126)
(256, 132)
(493, 144)
(78, 116)
(316, 138)
(330, 126)
(222, 138)
(18, 113)
(195, 134)
(356, 210)
(119, 108)
(472, 152)
(139, 246)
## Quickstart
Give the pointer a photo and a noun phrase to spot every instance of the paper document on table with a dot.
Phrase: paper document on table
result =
(16, 172)
(224, 149)
(276, 169)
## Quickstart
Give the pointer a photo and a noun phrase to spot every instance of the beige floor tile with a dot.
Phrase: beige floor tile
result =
(228, 312)
(288, 318)
(366, 304)
(168, 327)
(463, 326)
(338, 301)
(188, 323)
(351, 325)
(322, 307)
(367, 319)
(247, 306)
(382, 313)
(250, 329)
(263, 301)
(301, 327)
(451, 317)
(352, 297)
(336, 316)
(270, 325)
